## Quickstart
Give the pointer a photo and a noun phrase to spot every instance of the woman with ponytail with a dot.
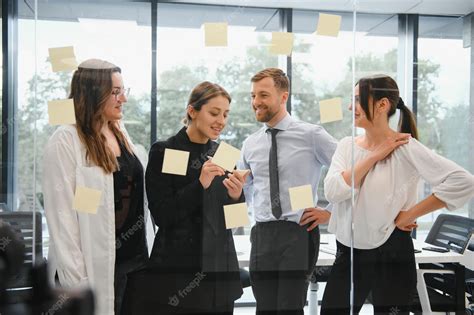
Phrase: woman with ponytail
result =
(388, 166)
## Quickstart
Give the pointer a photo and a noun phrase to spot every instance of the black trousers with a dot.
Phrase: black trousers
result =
(122, 271)
(171, 310)
(388, 272)
(282, 259)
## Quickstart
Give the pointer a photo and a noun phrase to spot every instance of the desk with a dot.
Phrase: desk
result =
(327, 255)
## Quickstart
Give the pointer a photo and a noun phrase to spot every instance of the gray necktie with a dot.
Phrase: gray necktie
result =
(274, 185)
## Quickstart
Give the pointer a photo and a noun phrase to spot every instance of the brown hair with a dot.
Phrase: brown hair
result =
(282, 83)
(91, 86)
(383, 86)
(202, 93)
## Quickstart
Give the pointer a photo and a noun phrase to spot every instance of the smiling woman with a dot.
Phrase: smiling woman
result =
(97, 155)
(193, 266)
(207, 122)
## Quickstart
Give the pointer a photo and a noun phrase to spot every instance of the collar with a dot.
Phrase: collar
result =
(283, 124)
(183, 137)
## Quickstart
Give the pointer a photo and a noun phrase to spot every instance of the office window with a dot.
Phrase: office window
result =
(322, 65)
(443, 95)
(116, 32)
(184, 61)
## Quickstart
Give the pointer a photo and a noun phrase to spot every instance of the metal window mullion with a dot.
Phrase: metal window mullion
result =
(9, 102)
(154, 81)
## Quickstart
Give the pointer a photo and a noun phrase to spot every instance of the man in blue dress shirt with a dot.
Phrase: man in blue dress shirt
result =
(284, 153)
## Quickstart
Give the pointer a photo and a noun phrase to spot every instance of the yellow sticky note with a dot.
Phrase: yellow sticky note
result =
(236, 215)
(61, 112)
(282, 43)
(86, 199)
(226, 156)
(301, 197)
(175, 162)
(328, 25)
(63, 58)
(330, 110)
(215, 34)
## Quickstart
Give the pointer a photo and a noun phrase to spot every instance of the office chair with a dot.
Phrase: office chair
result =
(454, 233)
(22, 223)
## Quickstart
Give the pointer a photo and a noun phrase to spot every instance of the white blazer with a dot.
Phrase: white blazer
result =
(82, 245)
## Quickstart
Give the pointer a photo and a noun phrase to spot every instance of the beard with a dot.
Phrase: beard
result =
(266, 117)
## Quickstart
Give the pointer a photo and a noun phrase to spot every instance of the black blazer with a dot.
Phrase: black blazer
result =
(193, 257)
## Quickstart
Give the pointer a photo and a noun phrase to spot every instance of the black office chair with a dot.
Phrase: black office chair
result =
(451, 232)
(19, 287)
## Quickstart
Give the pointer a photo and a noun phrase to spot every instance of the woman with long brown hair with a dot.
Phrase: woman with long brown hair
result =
(388, 166)
(99, 248)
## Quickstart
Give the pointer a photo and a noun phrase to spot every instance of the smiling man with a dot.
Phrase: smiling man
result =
(284, 153)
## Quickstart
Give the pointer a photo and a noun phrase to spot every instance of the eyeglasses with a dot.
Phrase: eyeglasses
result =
(119, 92)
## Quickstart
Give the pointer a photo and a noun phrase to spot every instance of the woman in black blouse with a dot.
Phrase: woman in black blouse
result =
(193, 267)
(98, 249)
(131, 251)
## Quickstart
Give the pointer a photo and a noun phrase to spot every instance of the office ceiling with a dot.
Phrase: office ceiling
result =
(430, 7)
(375, 17)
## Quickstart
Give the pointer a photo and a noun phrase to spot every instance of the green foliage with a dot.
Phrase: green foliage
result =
(438, 132)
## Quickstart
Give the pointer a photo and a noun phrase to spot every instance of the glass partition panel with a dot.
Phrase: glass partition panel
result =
(443, 110)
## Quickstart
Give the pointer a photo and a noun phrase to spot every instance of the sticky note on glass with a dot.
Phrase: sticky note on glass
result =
(328, 25)
(236, 215)
(301, 197)
(215, 34)
(226, 156)
(63, 58)
(330, 110)
(282, 43)
(61, 112)
(175, 162)
(86, 199)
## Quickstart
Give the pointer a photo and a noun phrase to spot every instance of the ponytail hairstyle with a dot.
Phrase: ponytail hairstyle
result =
(383, 86)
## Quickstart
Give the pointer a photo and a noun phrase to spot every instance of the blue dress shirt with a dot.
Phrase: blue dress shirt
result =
(303, 149)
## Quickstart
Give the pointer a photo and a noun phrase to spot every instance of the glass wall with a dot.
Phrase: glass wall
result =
(119, 33)
(321, 68)
(443, 96)
(184, 61)
(322, 65)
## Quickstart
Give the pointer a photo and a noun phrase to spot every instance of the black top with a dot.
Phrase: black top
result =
(192, 243)
(130, 233)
